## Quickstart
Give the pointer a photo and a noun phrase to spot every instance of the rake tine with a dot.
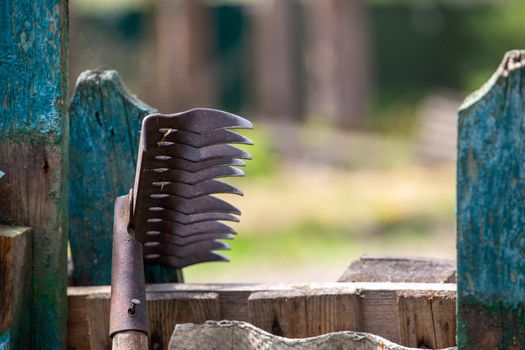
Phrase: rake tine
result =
(183, 164)
(215, 137)
(159, 177)
(191, 206)
(196, 190)
(199, 120)
(183, 262)
(174, 239)
(166, 249)
(188, 230)
(194, 154)
(184, 219)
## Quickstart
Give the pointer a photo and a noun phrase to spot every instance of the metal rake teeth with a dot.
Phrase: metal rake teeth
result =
(181, 156)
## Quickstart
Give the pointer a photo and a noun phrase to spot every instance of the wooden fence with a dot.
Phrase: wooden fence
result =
(34, 141)
(412, 314)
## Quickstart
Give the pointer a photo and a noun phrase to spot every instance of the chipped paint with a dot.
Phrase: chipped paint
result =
(31, 101)
(105, 121)
(33, 86)
(491, 211)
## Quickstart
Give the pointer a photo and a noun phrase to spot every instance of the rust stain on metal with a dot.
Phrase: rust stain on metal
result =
(171, 217)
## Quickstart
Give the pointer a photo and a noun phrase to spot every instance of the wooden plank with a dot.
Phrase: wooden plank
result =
(77, 322)
(105, 121)
(166, 309)
(300, 314)
(379, 310)
(369, 307)
(444, 314)
(97, 315)
(15, 288)
(33, 90)
(280, 313)
(169, 309)
(426, 320)
(490, 211)
(400, 269)
(332, 311)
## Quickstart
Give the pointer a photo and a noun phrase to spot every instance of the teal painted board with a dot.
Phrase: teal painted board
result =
(491, 212)
(105, 121)
(33, 121)
(5, 340)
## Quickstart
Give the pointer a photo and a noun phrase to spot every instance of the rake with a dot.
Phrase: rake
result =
(171, 217)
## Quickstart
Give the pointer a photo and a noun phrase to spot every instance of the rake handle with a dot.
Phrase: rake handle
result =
(128, 322)
(130, 340)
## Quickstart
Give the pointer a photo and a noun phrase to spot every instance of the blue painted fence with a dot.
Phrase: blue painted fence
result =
(491, 212)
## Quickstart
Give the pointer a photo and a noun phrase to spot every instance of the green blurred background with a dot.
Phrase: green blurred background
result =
(354, 103)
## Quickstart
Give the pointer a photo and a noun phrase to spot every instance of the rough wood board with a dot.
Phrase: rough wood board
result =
(77, 338)
(169, 309)
(330, 311)
(15, 286)
(280, 313)
(33, 90)
(490, 211)
(228, 335)
(303, 313)
(378, 301)
(166, 309)
(426, 319)
(130, 341)
(105, 121)
(400, 269)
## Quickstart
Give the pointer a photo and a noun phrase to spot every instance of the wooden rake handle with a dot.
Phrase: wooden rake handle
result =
(128, 314)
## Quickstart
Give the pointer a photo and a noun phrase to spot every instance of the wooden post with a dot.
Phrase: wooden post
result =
(183, 64)
(301, 314)
(33, 132)
(320, 308)
(491, 212)
(105, 121)
(278, 59)
(15, 287)
(338, 60)
(426, 319)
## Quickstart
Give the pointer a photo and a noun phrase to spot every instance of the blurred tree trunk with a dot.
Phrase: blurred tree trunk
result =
(338, 60)
(183, 63)
(277, 62)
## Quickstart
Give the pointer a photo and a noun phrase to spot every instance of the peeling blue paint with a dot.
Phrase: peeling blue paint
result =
(105, 121)
(30, 74)
(491, 212)
(33, 93)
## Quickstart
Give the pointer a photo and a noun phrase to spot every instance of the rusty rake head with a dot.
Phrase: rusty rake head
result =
(175, 215)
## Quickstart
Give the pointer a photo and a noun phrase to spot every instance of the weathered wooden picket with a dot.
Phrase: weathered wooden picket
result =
(39, 145)
(105, 121)
(33, 156)
(491, 211)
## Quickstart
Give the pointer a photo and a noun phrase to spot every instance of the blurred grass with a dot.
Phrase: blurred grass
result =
(307, 222)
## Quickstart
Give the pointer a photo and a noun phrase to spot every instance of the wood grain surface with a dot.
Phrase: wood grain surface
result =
(490, 211)
(292, 310)
(15, 286)
(33, 135)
